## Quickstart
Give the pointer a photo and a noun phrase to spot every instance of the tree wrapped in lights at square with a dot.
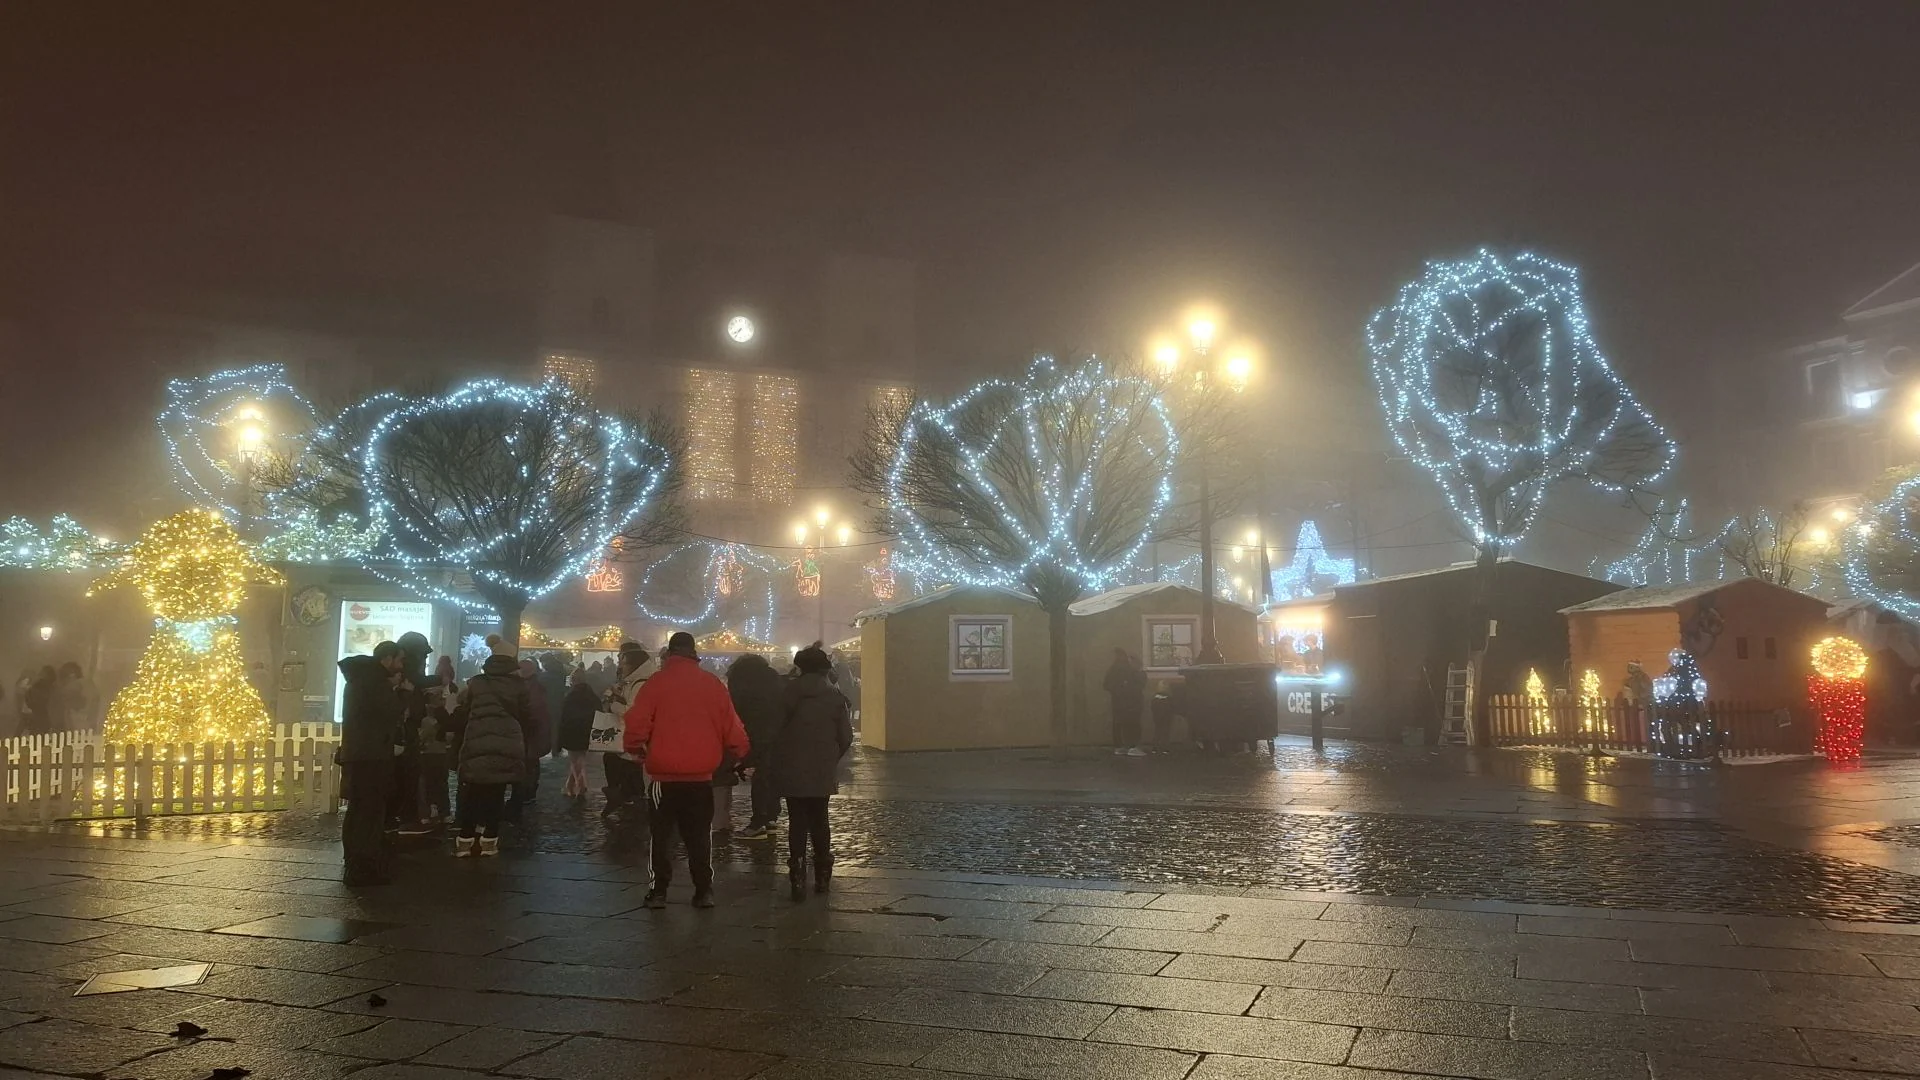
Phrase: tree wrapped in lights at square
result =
(191, 685)
(1838, 690)
(1881, 551)
(521, 487)
(65, 545)
(1052, 483)
(1492, 382)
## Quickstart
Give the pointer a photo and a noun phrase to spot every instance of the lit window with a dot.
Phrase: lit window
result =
(577, 372)
(980, 645)
(1170, 641)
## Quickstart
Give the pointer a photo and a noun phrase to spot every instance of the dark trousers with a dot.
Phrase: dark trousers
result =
(766, 803)
(625, 782)
(687, 808)
(1126, 721)
(525, 790)
(480, 807)
(433, 785)
(807, 820)
(367, 785)
(406, 788)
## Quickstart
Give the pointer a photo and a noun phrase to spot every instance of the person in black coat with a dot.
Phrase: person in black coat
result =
(370, 736)
(815, 732)
(760, 697)
(576, 730)
(497, 707)
(1126, 687)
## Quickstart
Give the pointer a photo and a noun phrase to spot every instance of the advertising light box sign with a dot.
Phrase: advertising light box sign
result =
(366, 623)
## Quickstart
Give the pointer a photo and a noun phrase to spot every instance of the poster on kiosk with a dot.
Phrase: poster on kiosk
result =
(366, 623)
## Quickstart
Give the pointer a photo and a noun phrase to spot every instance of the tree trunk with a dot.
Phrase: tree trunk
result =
(511, 612)
(1058, 721)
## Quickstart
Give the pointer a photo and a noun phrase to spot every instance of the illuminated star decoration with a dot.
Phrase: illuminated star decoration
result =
(1838, 691)
(191, 684)
(66, 545)
(1311, 564)
(440, 529)
(1549, 411)
(1054, 525)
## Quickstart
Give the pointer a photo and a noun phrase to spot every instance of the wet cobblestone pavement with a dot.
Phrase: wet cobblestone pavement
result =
(1906, 835)
(1668, 865)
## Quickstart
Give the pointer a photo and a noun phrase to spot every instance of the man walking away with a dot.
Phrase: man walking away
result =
(369, 740)
(682, 725)
(1126, 687)
(816, 731)
(497, 709)
(760, 698)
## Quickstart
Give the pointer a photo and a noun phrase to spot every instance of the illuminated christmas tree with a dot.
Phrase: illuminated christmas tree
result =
(191, 684)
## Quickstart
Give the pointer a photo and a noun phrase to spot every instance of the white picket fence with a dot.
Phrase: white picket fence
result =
(77, 775)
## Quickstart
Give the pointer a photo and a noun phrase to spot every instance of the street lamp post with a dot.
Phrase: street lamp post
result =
(812, 536)
(1235, 371)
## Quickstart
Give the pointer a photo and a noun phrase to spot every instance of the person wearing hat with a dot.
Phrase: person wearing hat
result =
(371, 714)
(407, 813)
(682, 726)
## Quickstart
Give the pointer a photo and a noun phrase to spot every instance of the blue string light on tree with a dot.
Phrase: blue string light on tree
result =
(1880, 553)
(722, 570)
(1491, 381)
(65, 545)
(1039, 458)
(214, 424)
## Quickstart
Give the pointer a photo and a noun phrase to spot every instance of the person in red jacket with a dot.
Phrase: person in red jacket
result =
(682, 724)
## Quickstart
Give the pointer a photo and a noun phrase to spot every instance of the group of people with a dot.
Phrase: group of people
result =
(49, 699)
(686, 739)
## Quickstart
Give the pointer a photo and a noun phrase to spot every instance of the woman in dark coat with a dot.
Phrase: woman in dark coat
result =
(495, 707)
(1126, 687)
(760, 697)
(576, 730)
(814, 735)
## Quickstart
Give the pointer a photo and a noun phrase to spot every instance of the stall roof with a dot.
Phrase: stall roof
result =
(1653, 597)
(884, 610)
(1113, 598)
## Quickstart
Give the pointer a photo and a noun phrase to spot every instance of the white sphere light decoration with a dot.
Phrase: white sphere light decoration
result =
(740, 329)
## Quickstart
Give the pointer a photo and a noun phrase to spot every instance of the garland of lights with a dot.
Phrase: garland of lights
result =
(723, 573)
(191, 684)
(605, 639)
(1880, 554)
(1471, 307)
(205, 420)
(1838, 691)
(1661, 557)
(66, 545)
(1051, 521)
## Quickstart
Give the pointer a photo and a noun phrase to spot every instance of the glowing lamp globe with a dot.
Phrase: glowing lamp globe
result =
(1840, 658)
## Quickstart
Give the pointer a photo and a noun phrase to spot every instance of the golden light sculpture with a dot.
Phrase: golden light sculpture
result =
(191, 684)
(1839, 658)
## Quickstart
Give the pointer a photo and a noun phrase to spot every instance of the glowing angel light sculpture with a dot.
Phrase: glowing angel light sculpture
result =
(191, 684)
(1492, 382)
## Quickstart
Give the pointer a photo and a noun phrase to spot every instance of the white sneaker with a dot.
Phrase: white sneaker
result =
(464, 847)
(1119, 751)
(1134, 751)
(489, 845)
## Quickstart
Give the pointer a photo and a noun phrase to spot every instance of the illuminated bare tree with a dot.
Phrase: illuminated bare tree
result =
(519, 488)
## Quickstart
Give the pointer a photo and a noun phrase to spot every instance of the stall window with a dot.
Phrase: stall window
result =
(980, 646)
(1170, 641)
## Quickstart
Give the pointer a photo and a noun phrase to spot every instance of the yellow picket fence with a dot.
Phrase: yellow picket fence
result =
(76, 775)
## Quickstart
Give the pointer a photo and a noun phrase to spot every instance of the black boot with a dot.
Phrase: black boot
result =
(797, 878)
(822, 876)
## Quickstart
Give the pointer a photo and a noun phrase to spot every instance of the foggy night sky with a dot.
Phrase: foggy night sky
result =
(1729, 176)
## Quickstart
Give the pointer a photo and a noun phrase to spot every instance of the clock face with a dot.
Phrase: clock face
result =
(740, 329)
